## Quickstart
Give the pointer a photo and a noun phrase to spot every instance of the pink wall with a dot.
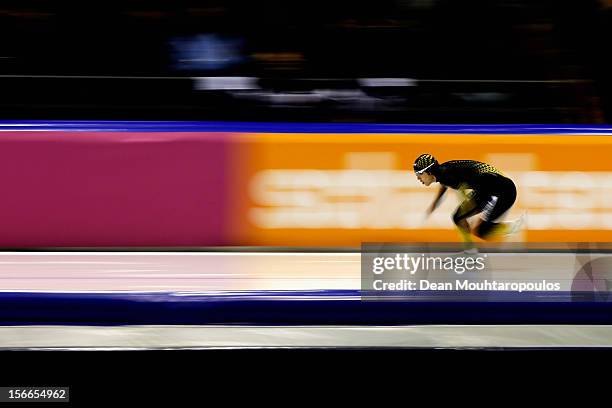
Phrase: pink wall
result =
(112, 189)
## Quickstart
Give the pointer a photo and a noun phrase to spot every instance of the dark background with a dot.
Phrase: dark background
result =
(313, 377)
(474, 61)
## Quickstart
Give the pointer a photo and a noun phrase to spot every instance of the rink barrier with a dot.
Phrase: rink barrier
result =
(330, 307)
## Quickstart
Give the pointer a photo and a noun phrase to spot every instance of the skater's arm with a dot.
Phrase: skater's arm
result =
(436, 202)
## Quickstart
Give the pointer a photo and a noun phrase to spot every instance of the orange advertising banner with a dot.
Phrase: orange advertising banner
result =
(296, 189)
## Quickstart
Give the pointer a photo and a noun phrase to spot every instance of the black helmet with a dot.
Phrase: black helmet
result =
(425, 162)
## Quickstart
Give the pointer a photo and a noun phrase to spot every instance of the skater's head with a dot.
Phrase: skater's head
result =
(425, 167)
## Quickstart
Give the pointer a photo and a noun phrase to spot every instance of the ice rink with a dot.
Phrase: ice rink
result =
(234, 271)
(218, 300)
